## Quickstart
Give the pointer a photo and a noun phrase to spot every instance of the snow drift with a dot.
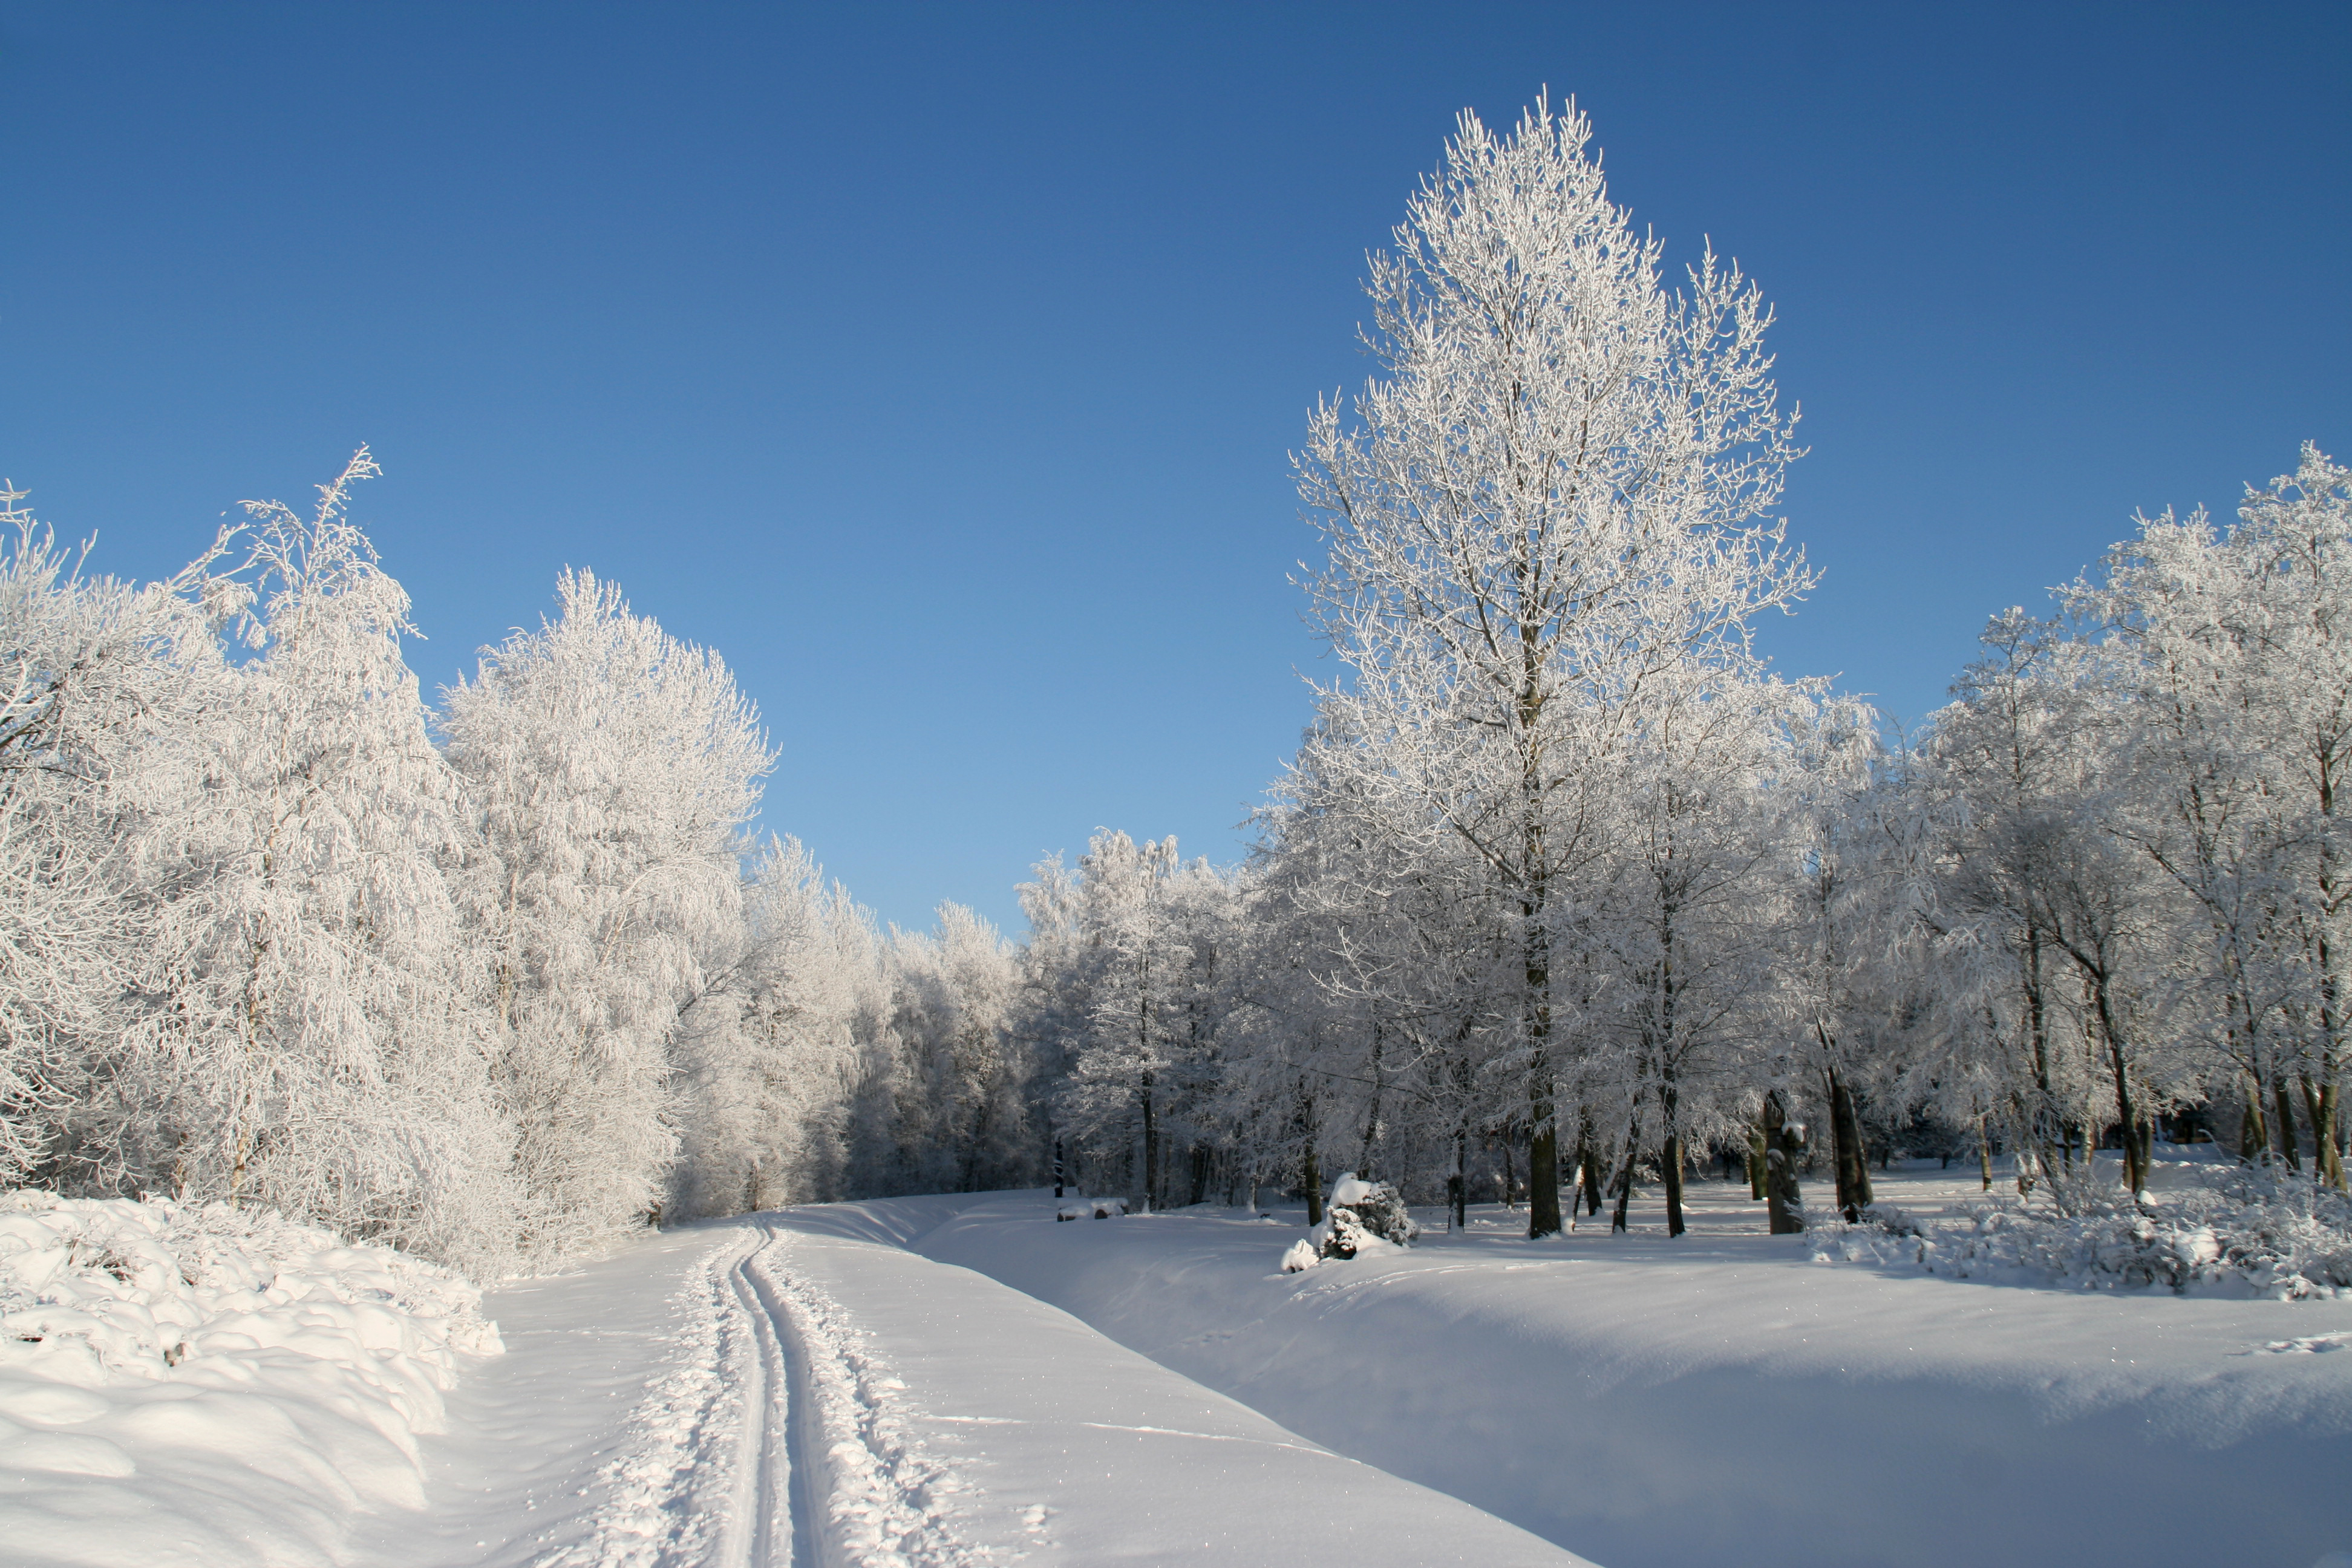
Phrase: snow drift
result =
(2228, 1232)
(1650, 1404)
(200, 1386)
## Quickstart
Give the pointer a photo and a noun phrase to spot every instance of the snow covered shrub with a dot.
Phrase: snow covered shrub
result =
(1300, 1257)
(1376, 1208)
(185, 1384)
(99, 1292)
(1365, 1216)
(2241, 1233)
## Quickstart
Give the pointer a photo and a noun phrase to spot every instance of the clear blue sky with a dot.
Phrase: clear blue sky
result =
(937, 364)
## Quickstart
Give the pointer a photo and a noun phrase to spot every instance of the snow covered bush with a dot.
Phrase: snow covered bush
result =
(218, 1385)
(99, 1291)
(1364, 1218)
(2242, 1233)
(1376, 1208)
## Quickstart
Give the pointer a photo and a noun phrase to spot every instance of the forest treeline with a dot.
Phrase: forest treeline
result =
(1564, 891)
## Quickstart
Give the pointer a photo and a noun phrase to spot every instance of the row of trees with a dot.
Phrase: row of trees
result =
(1564, 890)
(1563, 872)
(494, 982)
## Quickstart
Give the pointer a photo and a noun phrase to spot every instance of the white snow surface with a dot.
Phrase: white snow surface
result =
(1654, 1403)
(931, 1416)
(183, 1385)
(949, 1382)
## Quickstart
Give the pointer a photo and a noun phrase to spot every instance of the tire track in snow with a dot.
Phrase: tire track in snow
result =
(761, 1529)
(703, 1474)
(885, 1502)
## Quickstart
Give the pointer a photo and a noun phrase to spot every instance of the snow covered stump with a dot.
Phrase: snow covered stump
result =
(1364, 1218)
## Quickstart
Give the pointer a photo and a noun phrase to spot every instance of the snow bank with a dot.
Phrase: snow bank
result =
(201, 1386)
(1652, 1403)
(2246, 1233)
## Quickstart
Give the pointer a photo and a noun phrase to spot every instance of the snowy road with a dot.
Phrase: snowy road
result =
(885, 1384)
(800, 1389)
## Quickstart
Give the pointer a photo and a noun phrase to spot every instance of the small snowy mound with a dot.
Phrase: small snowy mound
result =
(217, 1386)
(2237, 1233)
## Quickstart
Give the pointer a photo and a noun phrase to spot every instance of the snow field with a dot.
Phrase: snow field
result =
(1014, 1432)
(204, 1386)
(1654, 1402)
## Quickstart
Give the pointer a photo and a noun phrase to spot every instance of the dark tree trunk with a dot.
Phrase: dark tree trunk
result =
(1618, 1218)
(1670, 1157)
(1852, 1163)
(1543, 1169)
(1150, 1146)
(2327, 1156)
(1784, 1202)
(2254, 1137)
(1457, 1195)
(1588, 1164)
(1310, 1168)
(2282, 1139)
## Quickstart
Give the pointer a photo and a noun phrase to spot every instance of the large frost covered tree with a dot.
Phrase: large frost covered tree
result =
(612, 769)
(1544, 512)
(312, 1031)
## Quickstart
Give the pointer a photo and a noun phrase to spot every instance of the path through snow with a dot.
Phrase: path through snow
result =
(802, 1390)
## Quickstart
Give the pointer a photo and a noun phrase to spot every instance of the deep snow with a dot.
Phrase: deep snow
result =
(183, 1385)
(896, 1382)
(944, 1419)
(1724, 1398)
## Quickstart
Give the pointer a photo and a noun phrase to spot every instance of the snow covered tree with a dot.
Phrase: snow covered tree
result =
(106, 695)
(313, 1031)
(611, 769)
(1130, 949)
(1548, 505)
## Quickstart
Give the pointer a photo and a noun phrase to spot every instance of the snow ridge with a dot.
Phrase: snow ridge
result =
(887, 1499)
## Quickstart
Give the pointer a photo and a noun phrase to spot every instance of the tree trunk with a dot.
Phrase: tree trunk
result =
(1756, 1163)
(1852, 1163)
(1617, 1220)
(1591, 1178)
(1671, 1158)
(1543, 1169)
(2282, 1138)
(1984, 1153)
(1310, 1168)
(2254, 1137)
(1784, 1203)
(1457, 1186)
(2134, 1153)
(1150, 1146)
(2328, 1158)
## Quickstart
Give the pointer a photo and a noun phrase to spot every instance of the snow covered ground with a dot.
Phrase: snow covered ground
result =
(1723, 1398)
(937, 1417)
(200, 1386)
(959, 1381)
